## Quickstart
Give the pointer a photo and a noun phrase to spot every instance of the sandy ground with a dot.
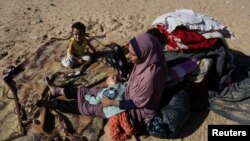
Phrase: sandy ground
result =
(25, 24)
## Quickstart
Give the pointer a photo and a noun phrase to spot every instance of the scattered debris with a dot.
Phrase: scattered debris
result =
(52, 4)
(44, 37)
(38, 20)
(2, 55)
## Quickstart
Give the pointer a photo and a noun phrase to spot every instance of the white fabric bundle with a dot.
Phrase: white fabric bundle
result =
(192, 21)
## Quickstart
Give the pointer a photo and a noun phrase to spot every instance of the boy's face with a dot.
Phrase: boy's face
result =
(112, 79)
(77, 34)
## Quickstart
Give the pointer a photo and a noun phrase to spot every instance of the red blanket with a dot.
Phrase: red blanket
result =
(184, 39)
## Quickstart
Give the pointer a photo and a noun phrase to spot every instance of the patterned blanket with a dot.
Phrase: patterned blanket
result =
(24, 85)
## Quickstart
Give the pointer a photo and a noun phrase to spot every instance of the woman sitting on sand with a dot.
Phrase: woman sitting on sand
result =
(142, 95)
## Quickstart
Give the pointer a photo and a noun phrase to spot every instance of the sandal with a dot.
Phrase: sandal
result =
(9, 69)
(73, 74)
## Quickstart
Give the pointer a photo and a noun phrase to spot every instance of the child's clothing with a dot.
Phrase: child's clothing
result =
(118, 90)
(116, 123)
(78, 51)
(120, 125)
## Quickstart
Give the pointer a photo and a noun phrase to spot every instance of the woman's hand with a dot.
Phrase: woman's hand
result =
(108, 102)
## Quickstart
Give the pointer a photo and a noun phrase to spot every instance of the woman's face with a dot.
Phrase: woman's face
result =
(132, 56)
(77, 34)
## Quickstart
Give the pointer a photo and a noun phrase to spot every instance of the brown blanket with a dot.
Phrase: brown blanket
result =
(26, 85)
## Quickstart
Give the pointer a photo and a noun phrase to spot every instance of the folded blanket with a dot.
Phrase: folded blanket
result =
(192, 21)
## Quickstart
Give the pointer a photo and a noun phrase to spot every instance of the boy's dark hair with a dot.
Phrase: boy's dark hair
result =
(80, 26)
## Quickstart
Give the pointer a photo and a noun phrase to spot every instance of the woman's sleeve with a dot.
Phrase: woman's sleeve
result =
(142, 99)
(126, 104)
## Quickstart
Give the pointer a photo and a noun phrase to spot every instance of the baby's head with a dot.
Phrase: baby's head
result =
(78, 31)
(113, 79)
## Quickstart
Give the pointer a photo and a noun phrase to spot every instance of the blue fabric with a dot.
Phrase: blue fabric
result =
(157, 128)
(111, 93)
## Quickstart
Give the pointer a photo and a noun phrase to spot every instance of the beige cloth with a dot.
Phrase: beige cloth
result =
(30, 87)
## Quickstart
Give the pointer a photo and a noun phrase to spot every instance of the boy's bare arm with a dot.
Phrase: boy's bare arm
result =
(70, 54)
(91, 46)
(69, 49)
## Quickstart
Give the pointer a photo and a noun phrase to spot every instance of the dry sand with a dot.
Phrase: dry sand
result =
(25, 24)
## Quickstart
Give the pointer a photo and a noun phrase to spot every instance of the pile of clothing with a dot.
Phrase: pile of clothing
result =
(194, 45)
(198, 60)
(186, 30)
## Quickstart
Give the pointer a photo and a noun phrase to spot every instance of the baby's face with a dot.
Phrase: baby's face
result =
(112, 79)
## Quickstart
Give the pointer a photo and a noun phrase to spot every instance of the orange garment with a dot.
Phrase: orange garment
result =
(120, 127)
